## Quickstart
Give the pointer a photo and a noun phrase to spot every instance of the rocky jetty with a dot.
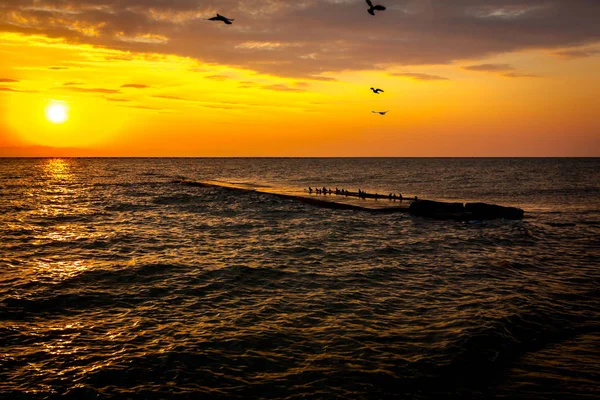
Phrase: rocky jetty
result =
(460, 212)
(437, 209)
(371, 202)
(492, 211)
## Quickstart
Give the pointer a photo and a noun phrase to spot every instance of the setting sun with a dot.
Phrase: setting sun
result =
(57, 112)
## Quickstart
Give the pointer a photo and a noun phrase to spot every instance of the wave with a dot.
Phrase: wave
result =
(177, 199)
(126, 207)
(125, 275)
(482, 355)
(17, 308)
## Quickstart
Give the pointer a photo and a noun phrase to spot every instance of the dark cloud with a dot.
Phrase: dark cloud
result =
(117, 100)
(72, 83)
(490, 67)
(8, 80)
(520, 75)
(578, 53)
(90, 90)
(7, 89)
(135, 86)
(420, 77)
(141, 107)
(247, 85)
(58, 68)
(219, 107)
(168, 97)
(217, 77)
(310, 38)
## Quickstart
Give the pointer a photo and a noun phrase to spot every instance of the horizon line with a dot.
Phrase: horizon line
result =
(281, 157)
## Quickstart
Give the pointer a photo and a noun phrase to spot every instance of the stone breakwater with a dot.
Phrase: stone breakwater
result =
(364, 201)
(463, 212)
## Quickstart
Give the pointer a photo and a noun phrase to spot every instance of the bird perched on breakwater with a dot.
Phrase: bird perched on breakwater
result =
(376, 91)
(380, 112)
(373, 8)
(219, 17)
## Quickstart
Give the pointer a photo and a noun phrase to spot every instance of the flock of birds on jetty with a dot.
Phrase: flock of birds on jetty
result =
(371, 10)
(361, 193)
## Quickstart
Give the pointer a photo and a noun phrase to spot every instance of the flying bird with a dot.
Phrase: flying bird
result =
(380, 112)
(372, 8)
(376, 91)
(219, 17)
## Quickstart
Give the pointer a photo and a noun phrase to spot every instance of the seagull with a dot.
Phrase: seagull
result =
(372, 8)
(219, 17)
(376, 91)
(380, 112)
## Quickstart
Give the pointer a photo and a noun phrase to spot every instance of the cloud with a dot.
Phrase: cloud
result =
(578, 53)
(142, 107)
(520, 75)
(58, 68)
(419, 76)
(135, 86)
(321, 78)
(217, 77)
(45, 151)
(91, 90)
(8, 80)
(168, 97)
(117, 100)
(490, 67)
(282, 88)
(308, 38)
(224, 107)
(7, 89)
(508, 71)
(145, 38)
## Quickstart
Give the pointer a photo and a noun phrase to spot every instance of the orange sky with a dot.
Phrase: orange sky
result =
(148, 80)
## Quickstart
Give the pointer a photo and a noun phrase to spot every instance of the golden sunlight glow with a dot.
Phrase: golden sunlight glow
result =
(57, 112)
(57, 169)
(72, 99)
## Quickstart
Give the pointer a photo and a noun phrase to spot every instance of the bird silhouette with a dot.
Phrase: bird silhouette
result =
(380, 112)
(372, 8)
(219, 17)
(376, 91)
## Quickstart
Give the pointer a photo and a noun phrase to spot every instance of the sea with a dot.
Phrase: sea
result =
(117, 282)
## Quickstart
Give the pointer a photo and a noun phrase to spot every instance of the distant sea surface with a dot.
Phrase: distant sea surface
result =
(116, 283)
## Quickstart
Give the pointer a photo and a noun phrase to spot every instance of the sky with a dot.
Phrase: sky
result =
(461, 78)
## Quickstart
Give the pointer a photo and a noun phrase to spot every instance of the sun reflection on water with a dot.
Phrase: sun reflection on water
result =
(60, 270)
(61, 200)
(58, 169)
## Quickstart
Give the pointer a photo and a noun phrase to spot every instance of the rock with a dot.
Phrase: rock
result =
(437, 209)
(470, 211)
(492, 211)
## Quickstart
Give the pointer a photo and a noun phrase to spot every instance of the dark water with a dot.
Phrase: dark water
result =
(116, 283)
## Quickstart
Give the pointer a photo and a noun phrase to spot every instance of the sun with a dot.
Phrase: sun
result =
(57, 112)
